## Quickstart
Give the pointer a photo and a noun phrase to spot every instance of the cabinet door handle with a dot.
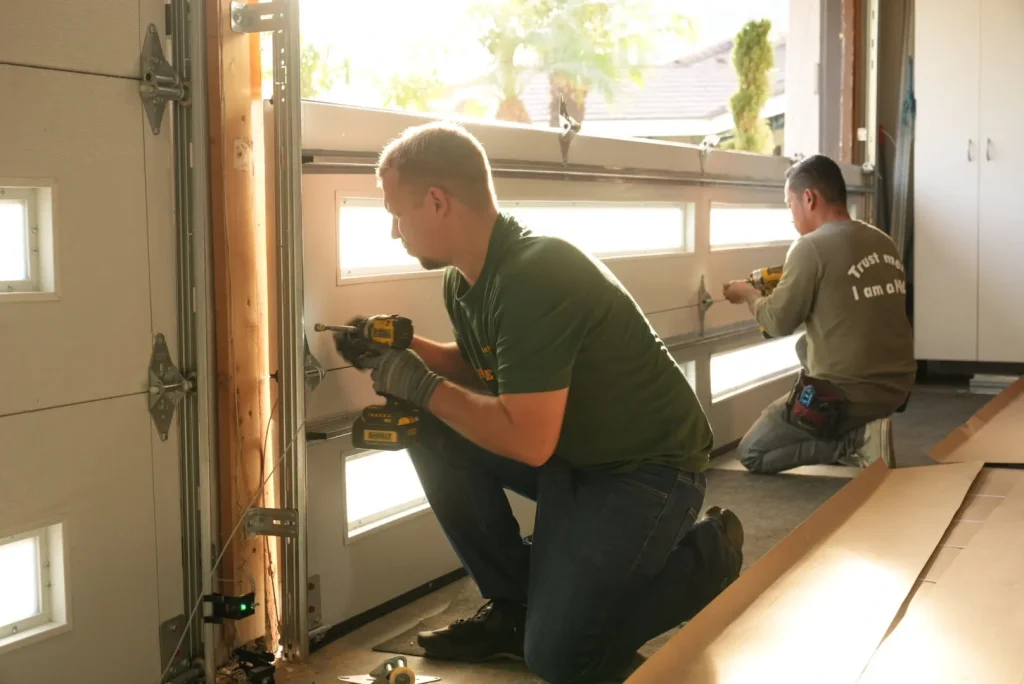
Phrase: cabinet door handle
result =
(970, 146)
(988, 149)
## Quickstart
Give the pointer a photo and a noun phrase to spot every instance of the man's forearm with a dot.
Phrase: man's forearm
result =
(446, 360)
(484, 420)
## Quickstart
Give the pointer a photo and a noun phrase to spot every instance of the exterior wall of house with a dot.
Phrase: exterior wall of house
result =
(802, 78)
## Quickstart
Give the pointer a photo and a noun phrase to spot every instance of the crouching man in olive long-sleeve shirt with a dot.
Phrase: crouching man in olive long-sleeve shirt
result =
(844, 282)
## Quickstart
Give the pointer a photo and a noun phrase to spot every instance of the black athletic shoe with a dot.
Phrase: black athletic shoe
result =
(497, 630)
(732, 529)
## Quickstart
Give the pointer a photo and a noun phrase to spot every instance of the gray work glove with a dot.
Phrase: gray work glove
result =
(401, 373)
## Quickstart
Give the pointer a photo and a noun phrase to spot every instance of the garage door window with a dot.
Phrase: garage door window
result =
(32, 597)
(26, 241)
(380, 487)
(365, 246)
(740, 225)
(739, 370)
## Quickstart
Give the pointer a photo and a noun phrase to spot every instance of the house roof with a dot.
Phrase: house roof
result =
(697, 86)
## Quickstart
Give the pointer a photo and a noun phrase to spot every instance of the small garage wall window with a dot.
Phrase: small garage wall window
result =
(739, 370)
(32, 592)
(605, 230)
(750, 225)
(26, 240)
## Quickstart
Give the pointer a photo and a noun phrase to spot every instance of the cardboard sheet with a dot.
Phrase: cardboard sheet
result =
(816, 606)
(992, 435)
(968, 626)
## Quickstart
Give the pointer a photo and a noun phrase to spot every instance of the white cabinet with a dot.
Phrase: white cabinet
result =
(968, 180)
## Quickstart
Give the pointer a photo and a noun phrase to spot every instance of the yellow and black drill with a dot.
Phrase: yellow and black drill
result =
(765, 281)
(390, 426)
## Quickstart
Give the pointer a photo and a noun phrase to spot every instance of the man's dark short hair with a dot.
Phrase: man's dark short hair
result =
(820, 174)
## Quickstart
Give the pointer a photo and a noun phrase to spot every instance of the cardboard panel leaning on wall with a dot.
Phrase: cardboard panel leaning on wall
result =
(991, 435)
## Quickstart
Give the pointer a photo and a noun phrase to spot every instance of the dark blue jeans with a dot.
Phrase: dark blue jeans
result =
(615, 559)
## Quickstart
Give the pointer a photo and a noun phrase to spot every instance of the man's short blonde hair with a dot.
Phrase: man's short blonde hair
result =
(443, 155)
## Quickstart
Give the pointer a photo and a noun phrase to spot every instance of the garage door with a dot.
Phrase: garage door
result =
(90, 508)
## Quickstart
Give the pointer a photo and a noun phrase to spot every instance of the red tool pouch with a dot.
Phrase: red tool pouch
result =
(816, 406)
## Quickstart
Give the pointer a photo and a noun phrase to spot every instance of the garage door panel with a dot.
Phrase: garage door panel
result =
(97, 36)
(91, 467)
(162, 235)
(167, 517)
(659, 283)
(343, 391)
(86, 134)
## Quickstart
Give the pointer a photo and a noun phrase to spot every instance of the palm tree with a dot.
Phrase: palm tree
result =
(508, 29)
(587, 45)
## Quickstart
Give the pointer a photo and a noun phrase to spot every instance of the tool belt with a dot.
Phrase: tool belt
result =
(816, 406)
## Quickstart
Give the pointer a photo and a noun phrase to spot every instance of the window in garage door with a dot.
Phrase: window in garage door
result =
(742, 225)
(365, 246)
(738, 370)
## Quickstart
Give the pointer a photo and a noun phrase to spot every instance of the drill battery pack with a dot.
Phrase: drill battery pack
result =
(385, 427)
(816, 406)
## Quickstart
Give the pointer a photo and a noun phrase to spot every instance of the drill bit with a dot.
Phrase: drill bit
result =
(320, 327)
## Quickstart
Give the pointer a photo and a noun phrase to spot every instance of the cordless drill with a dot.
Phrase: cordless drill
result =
(764, 281)
(390, 426)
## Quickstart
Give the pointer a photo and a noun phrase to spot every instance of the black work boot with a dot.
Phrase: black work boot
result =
(732, 531)
(498, 630)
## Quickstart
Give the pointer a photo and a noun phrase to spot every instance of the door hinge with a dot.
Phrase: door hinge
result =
(570, 127)
(167, 386)
(314, 369)
(704, 302)
(274, 522)
(257, 17)
(160, 82)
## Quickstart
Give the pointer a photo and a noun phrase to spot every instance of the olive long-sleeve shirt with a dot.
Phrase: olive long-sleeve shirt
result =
(846, 284)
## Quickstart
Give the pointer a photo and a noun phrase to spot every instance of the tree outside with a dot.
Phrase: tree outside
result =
(753, 59)
(580, 46)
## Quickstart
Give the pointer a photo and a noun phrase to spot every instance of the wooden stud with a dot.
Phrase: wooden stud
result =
(242, 328)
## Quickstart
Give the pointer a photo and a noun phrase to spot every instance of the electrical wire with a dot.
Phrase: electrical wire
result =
(238, 526)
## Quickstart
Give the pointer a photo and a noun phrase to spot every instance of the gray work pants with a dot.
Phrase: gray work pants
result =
(772, 445)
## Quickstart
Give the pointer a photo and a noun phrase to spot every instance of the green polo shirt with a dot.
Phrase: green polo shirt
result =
(544, 316)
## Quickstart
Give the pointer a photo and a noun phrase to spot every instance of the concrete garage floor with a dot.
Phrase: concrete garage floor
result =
(931, 415)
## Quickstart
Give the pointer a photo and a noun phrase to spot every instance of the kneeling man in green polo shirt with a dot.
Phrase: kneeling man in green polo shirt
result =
(557, 388)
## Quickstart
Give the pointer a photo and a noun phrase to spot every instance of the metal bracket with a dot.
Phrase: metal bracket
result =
(167, 386)
(315, 613)
(273, 522)
(160, 82)
(705, 146)
(257, 17)
(704, 302)
(570, 127)
(314, 369)
(170, 635)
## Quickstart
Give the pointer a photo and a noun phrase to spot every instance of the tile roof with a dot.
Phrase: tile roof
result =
(697, 86)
